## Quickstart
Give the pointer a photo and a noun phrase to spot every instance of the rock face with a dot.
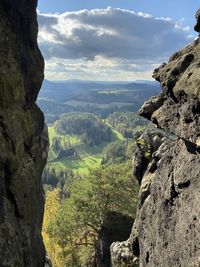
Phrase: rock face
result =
(115, 227)
(23, 137)
(167, 226)
(197, 26)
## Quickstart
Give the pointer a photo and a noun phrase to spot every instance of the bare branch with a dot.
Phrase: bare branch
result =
(93, 227)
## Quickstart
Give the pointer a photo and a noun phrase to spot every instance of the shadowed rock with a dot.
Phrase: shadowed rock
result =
(23, 137)
(197, 26)
(115, 227)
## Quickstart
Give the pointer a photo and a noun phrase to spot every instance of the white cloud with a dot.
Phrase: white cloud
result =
(100, 39)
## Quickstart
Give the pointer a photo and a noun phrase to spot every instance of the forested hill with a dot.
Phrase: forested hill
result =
(66, 90)
(91, 129)
(101, 98)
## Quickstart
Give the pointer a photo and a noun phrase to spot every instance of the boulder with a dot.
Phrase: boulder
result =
(115, 227)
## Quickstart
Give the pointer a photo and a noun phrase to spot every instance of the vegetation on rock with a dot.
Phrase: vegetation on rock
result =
(127, 123)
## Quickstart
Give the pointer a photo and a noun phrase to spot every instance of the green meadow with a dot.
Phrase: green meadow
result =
(88, 157)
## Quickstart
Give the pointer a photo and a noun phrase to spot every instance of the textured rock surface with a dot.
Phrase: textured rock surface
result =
(167, 226)
(23, 137)
(122, 254)
(116, 226)
(178, 110)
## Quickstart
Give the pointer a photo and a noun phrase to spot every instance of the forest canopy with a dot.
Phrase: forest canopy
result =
(90, 127)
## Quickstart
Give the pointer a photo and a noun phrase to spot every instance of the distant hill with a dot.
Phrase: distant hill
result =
(100, 98)
(66, 90)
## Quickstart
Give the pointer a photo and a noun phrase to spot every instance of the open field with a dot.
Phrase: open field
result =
(89, 157)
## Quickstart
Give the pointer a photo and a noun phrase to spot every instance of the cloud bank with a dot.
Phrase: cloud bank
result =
(89, 41)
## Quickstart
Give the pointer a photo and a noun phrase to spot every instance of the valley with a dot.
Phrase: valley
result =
(88, 157)
(88, 174)
(102, 99)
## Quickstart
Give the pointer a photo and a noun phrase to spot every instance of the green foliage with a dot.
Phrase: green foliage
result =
(69, 152)
(74, 211)
(54, 177)
(147, 154)
(91, 128)
(64, 138)
(79, 142)
(75, 226)
(127, 122)
(119, 151)
(53, 109)
(52, 207)
(65, 150)
(146, 148)
(141, 142)
(97, 98)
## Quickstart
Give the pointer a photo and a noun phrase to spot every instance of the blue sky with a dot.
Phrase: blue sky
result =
(123, 42)
(173, 8)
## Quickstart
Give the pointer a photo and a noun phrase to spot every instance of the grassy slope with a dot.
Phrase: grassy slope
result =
(90, 157)
(116, 135)
(71, 138)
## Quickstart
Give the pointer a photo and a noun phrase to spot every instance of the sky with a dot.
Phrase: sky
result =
(112, 40)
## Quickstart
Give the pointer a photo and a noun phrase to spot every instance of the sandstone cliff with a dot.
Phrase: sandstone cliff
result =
(166, 232)
(23, 137)
(115, 227)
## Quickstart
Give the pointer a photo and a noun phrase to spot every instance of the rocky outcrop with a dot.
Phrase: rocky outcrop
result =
(179, 108)
(115, 227)
(197, 26)
(167, 225)
(23, 137)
